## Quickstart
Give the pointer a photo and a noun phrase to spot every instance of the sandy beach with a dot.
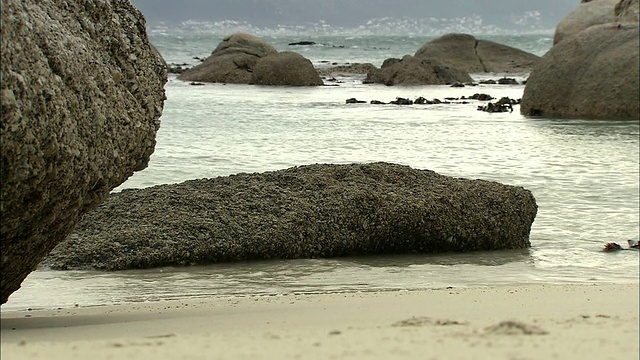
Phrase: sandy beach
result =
(525, 322)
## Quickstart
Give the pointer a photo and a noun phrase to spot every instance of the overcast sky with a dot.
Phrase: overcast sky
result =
(349, 12)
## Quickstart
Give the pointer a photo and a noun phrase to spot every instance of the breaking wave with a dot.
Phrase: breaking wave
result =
(528, 23)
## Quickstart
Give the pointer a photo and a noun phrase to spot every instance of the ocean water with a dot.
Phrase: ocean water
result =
(584, 175)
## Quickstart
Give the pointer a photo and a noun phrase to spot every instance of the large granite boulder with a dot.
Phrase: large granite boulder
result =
(82, 94)
(231, 62)
(245, 59)
(592, 75)
(302, 212)
(585, 15)
(467, 53)
(285, 68)
(413, 71)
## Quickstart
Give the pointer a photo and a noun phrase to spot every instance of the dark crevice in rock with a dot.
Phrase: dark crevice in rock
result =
(475, 49)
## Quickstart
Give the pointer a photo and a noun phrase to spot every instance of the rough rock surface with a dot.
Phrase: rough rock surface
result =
(593, 75)
(302, 212)
(585, 15)
(231, 62)
(411, 70)
(285, 68)
(82, 93)
(627, 11)
(467, 53)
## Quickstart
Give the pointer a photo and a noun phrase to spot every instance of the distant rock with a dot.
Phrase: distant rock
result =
(481, 97)
(411, 70)
(245, 59)
(357, 68)
(469, 54)
(177, 68)
(422, 100)
(302, 43)
(312, 211)
(401, 101)
(507, 81)
(585, 15)
(592, 75)
(232, 61)
(82, 94)
(285, 68)
(501, 81)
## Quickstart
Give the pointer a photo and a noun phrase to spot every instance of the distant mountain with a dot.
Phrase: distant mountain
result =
(269, 13)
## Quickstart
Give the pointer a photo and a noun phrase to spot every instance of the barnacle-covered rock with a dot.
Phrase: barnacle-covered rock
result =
(319, 210)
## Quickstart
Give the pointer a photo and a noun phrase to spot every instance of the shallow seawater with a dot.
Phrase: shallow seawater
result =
(583, 174)
(65, 289)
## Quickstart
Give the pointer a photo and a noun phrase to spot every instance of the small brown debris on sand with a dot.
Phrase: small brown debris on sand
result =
(510, 327)
(423, 320)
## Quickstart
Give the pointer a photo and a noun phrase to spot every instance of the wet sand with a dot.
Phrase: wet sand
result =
(521, 322)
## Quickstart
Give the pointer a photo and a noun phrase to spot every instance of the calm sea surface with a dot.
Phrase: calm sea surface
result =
(584, 175)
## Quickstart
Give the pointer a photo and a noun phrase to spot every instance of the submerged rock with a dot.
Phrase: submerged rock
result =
(354, 101)
(481, 97)
(610, 247)
(303, 212)
(302, 43)
(401, 101)
(505, 104)
(82, 94)
(177, 68)
(507, 81)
